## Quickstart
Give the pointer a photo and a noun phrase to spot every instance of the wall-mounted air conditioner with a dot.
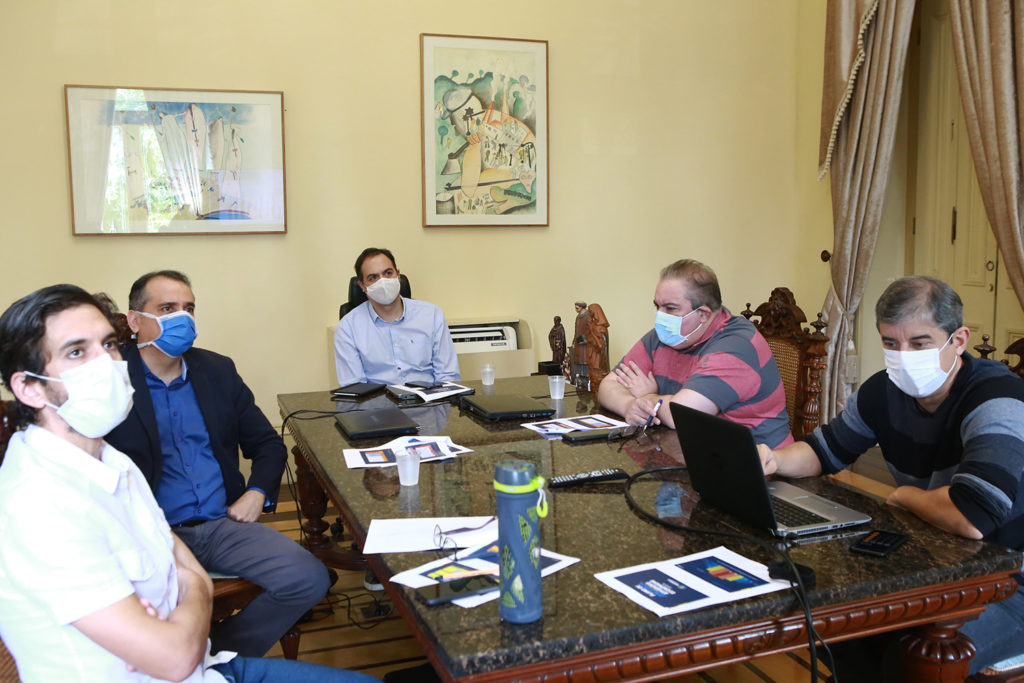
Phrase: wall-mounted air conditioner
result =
(481, 338)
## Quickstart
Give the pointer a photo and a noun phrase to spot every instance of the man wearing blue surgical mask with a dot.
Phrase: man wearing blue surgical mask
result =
(702, 356)
(951, 430)
(192, 413)
(390, 339)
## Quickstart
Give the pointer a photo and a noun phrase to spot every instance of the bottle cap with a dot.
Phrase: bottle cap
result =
(514, 473)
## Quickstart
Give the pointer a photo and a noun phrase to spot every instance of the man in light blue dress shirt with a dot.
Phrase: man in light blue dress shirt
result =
(389, 339)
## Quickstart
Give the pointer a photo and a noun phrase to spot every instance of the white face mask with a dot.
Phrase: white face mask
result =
(99, 395)
(917, 373)
(385, 290)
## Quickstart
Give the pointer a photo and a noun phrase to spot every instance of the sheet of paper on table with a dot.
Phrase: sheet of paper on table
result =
(429, 448)
(436, 393)
(482, 558)
(581, 423)
(686, 583)
(414, 535)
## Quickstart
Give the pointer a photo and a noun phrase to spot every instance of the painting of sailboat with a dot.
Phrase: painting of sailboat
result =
(159, 161)
(484, 131)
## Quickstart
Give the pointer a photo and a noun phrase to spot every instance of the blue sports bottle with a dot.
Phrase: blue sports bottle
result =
(521, 504)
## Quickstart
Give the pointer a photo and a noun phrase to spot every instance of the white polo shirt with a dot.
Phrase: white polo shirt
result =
(77, 535)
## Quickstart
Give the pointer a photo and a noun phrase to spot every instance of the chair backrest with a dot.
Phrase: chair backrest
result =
(357, 296)
(1016, 348)
(800, 354)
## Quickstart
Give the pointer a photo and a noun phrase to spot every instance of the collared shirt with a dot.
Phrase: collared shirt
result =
(417, 347)
(191, 483)
(114, 543)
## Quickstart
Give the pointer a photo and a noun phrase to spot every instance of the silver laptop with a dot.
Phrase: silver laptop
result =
(726, 471)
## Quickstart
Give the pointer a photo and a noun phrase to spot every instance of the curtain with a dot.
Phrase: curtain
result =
(988, 38)
(865, 52)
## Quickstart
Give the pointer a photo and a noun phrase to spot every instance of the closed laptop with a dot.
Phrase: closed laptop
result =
(494, 407)
(371, 424)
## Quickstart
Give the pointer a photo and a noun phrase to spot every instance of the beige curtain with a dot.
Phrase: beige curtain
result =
(988, 40)
(865, 52)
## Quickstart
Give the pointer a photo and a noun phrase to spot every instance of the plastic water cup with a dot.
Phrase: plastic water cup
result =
(408, 467)
(487, 374)
(556, 386)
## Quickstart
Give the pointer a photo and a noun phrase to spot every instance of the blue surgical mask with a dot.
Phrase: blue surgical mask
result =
(668, 327)
(177, 332)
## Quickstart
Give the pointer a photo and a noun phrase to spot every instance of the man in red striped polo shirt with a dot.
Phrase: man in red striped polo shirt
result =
(702, 356)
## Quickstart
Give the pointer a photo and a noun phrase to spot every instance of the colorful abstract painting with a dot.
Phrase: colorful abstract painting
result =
(485, 131)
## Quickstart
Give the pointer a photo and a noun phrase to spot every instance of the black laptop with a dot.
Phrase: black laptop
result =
(372, 424)
(494, 407)
(726, 471)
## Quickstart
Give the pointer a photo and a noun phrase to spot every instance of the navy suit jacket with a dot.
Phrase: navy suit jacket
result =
(232, 420)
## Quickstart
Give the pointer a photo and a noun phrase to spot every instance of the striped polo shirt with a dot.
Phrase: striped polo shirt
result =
(732, 366)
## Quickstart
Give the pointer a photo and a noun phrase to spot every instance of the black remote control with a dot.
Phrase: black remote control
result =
(587, 477)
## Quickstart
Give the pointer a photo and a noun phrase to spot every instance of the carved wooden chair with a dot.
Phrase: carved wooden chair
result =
(985, 349)
(800, 354)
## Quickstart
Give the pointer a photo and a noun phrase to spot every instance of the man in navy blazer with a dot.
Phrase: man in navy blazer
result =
(192, 414)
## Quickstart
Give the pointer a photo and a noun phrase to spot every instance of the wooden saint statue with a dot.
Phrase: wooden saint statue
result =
(556, 338)
(597, 345)
(579, 345)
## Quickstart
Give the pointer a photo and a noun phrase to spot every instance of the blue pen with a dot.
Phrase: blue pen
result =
(657, 407)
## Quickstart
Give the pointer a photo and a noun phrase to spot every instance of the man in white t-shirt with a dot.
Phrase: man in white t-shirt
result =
(118, 597)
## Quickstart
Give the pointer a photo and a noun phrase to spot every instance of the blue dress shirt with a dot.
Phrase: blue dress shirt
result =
(191, 483)
(415, 348)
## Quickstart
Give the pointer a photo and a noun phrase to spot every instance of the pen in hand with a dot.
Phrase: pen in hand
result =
(657, 407)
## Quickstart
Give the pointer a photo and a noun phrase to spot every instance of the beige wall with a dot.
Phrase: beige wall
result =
(678, 128)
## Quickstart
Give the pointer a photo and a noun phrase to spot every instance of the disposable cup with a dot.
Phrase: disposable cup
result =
(556, 385)
(408, 467)
(487, 374)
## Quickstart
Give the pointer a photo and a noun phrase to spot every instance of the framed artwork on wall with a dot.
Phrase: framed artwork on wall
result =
(485, 130)
(158, 161)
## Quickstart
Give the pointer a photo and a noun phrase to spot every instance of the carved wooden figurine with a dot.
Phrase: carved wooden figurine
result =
(597, 345)
(579, 345)
(556, 338)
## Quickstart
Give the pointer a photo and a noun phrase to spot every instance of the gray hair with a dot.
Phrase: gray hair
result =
(920, 296)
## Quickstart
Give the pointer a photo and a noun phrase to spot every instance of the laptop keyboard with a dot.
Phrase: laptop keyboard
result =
(787, 514)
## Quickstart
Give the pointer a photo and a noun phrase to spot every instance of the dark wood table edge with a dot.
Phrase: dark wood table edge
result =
(928, 654)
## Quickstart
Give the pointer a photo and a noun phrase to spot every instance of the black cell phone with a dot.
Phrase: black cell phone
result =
(423, 385)
(878, 543)
(579, 436)
(446, 591)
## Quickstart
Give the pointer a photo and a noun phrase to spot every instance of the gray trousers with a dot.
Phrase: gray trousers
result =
(293, 580)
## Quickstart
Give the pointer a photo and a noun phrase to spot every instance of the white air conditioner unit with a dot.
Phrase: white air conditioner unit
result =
(477, 338)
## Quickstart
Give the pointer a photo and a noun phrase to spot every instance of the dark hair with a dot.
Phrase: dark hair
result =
(368, 253)
(137, 295)
(22, 330)
(701, 281)
(920, 295)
